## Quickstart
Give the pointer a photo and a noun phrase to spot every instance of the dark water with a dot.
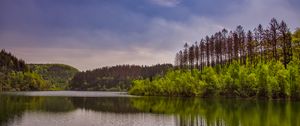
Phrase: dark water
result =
(118, 109)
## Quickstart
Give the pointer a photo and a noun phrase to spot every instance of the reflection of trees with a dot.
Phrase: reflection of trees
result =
(187, 111)
(10, 109)
(105, 104)
(55, 104)
(13, 107)
(202, 112)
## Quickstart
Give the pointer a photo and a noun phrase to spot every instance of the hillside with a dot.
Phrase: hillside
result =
(263, 63)
(15, 75)
(57, 75)
(116, 78)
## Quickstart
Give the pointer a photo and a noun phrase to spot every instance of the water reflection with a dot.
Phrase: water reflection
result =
(205, 112)
(146, 111)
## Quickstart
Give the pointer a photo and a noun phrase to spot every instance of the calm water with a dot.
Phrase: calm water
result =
(69, 108)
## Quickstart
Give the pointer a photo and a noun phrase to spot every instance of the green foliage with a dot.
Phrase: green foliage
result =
(265, 80)
(171, 84)
(23, 81)
(294, 78)
(212, 81)
(263, 84)
(15, 75)
(57, 75)
(296, 43)
(263, 63)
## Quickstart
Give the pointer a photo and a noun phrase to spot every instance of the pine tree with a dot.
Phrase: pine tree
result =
(250, 46)
(191, 56)
(197, 54)
(185, 55)
(207, 46)
(274, 27)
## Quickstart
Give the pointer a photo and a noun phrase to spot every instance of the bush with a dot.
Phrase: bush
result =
(265, 80)
(294, 79)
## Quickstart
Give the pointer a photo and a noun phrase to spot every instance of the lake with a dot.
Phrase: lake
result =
(72, 108)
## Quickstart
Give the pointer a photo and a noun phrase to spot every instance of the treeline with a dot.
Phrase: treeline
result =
(116, 78)
(9, 62)
(260, 63)
(260, 45)
(15, 75)
(265, 80)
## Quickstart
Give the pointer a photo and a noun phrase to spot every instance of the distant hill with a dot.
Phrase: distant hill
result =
(115, 78)
(57, 75)
(16, 75)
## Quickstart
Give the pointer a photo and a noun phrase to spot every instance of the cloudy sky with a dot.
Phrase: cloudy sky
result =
(88, 34)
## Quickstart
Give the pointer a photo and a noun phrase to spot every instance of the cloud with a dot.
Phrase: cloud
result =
(117, 34)
(254, 12)
(170, 35)
(166, 3)
(160, 34)
(93, 49)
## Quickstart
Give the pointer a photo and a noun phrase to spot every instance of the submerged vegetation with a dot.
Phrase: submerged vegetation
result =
(264, 64)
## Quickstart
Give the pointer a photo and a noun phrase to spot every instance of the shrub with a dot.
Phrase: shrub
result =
(265, 80)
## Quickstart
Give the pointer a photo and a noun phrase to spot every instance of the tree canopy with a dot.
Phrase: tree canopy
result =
(57, 75)
(15, 75)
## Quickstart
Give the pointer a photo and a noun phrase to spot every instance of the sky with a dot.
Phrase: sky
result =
(89, 34)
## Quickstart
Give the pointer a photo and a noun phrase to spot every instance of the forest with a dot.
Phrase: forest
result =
(57, 75)
(115, 78)
(260, 63)
(15, 75)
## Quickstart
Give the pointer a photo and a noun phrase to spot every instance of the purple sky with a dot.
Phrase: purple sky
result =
(89, 34)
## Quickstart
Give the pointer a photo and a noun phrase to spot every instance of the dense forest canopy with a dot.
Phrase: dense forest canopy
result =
(16, 75)
(259, 63)
(115, 78)
(57, 75)
(9, 62)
